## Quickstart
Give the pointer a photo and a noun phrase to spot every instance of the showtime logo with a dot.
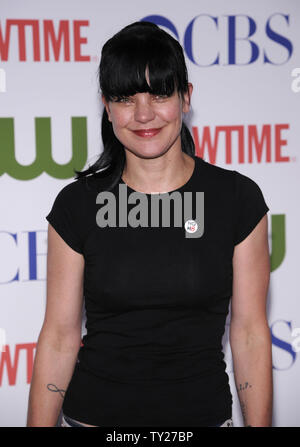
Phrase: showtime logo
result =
(68, 36)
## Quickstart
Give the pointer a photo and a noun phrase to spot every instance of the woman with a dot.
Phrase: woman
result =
(156, 291)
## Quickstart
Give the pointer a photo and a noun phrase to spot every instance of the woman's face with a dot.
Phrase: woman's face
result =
(148, 125)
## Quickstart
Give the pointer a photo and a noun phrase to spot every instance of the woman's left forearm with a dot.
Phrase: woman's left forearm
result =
(252, 364)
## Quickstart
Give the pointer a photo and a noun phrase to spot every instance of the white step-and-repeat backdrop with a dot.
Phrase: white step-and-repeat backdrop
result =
(243, 58)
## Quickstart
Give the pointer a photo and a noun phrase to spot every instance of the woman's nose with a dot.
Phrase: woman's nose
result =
(144, 111)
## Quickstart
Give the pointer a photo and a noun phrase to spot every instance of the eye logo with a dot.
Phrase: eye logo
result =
(208, 27)
(191, 226)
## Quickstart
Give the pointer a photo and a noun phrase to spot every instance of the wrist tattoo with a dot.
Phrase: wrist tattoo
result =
(53, 388)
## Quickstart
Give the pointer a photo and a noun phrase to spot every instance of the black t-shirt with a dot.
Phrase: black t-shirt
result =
(156, 301)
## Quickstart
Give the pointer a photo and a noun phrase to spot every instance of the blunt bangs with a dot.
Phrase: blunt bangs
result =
(136, 48)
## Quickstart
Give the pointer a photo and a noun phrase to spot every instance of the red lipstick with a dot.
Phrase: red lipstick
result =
(147, 132)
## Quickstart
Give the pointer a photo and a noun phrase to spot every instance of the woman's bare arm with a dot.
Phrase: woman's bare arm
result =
(60, 336)
(250, 337)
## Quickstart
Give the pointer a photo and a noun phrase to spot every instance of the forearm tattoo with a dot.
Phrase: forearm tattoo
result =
(53, 388)
(244, 387)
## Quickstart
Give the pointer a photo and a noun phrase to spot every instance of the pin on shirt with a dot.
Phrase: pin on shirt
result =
(191, 226)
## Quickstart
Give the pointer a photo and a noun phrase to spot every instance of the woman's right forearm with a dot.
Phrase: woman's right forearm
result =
(52, 371)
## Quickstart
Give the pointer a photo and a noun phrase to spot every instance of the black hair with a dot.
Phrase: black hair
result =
(122, 72)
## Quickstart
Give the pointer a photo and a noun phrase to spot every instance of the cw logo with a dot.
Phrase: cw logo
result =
(278, 240)
(43, 161)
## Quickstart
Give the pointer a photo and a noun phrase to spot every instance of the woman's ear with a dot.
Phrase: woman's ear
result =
(187, 98)
(106, 107)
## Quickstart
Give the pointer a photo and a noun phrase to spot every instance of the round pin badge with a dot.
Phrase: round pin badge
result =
(191, 226)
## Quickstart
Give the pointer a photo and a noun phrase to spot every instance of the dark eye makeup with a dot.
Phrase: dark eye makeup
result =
(129, 98)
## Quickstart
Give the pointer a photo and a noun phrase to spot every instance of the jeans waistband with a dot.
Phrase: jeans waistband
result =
(69, 422)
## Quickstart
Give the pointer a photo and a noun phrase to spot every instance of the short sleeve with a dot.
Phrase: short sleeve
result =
(64, 218)
(250, 206)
